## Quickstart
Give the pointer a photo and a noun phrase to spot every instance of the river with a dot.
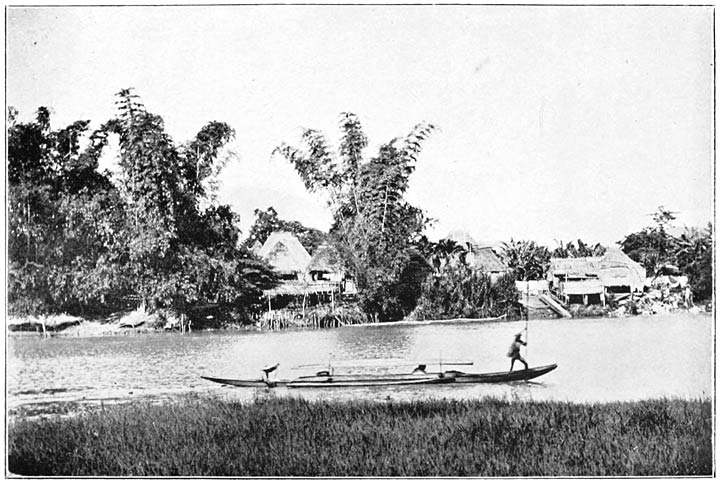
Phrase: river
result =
(599, 360)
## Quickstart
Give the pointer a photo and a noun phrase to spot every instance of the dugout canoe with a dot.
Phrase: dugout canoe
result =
(254, 383)
(500, 377)
(336, 381)
(388, 380)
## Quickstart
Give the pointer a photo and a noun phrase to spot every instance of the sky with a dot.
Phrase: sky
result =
(554, 123)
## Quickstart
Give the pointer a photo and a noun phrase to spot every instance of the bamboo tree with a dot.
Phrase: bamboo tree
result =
(374, 227)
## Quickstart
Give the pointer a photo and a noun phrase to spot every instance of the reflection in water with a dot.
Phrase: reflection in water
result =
(373, 342)
(598, 360)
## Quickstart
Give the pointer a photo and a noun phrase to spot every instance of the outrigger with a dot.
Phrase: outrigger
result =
(326, 378)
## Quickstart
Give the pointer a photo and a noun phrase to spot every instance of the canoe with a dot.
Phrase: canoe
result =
(336, 381)
(388, 380)
(500, 377)
(255, 383)
(346, 381)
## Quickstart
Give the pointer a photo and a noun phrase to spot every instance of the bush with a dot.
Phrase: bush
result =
(459, 291)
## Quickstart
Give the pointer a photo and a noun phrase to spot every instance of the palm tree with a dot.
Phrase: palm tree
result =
(526, 259)
(581, 251)
(445, 252)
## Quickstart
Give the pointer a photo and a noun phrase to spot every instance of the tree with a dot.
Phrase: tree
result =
(446, 251)
(459, 291)
(179, 254)
(694, 258)
(374, 226)
(80, 243)
(267, 222)
(526, 260)
(63, 216)
(653, 246)
(582, 250)
(690, 253)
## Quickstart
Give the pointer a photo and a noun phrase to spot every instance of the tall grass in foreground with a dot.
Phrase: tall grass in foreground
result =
(294, 437)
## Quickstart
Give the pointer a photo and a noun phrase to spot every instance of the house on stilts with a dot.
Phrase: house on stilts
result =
(305, 281)
(589, 280)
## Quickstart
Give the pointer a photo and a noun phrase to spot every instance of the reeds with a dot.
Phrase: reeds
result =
(292, 437)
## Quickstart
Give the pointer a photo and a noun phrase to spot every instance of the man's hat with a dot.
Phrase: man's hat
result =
(519, 335)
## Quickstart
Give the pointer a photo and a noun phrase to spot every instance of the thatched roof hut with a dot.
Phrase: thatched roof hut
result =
(284, 252)
(617, 269)
(574, 268)
(487, 260)
(614, 269)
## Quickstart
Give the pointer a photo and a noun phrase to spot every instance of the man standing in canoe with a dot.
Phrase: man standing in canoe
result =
(514, 351)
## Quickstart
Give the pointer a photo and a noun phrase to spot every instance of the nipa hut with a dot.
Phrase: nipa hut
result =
(479, 257)
(576, 280)
(485, 259)
(326, 273)
(284, 252)
(587, 280)
(620, 274)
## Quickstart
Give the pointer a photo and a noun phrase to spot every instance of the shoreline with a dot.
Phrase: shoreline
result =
(118, 324)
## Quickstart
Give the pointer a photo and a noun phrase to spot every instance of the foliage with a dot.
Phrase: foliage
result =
(63, 216)
(526, 260)
(284, 437)
(582, 250)
(691, 252)
(653, 246)
(444, 252)
(375, 229)
(267, 222)
(459, 291)
(80, 241)
(694, 257)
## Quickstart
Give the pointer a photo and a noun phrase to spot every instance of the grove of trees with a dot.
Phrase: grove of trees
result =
(689, 253)
(90, 243)
(82, 242)
(375, 229)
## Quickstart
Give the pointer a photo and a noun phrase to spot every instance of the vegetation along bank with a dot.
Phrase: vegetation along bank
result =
(199, 436)
(95, 244)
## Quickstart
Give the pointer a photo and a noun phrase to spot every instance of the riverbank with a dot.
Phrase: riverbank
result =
(140, 321)
(137, 321)
(200, 436)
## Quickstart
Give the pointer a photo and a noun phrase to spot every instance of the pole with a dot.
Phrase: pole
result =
(527, 313)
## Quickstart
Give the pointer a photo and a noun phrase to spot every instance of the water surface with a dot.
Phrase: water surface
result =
(599, 360)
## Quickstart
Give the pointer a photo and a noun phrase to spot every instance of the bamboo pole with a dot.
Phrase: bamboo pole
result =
(527, 316)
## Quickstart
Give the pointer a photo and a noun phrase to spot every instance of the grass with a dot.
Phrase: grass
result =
(293, 437)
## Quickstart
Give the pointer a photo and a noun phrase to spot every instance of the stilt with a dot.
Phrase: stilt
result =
(303, 305)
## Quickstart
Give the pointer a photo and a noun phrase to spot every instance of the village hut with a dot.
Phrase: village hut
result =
(287, 256)
(326, 272)
(284, 252)
(478, 256)
(587, 280)
(576, 280)
(487, 260)
(620, 274)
